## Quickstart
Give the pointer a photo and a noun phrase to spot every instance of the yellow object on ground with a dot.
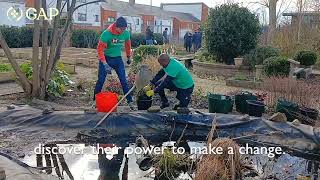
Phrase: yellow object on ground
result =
(150, 93)
(147, 88)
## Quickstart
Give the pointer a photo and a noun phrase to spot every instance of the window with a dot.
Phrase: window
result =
(137, 22)
(111, 19)
(97, 18)
(82, 17)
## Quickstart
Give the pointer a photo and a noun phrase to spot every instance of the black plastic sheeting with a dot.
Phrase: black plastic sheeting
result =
(123, 128)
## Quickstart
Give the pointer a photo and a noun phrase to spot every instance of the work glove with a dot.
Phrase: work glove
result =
(150, 93)
(128, 60)
(107, 68)
(148, 87)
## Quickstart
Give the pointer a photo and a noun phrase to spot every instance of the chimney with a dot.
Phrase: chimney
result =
(132, 2)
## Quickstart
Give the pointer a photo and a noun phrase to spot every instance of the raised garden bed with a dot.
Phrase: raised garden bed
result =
(223, 70)
(69, 68)
(244, 83)
(7, 76)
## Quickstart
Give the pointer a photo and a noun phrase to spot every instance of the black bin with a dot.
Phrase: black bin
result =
(255, 108)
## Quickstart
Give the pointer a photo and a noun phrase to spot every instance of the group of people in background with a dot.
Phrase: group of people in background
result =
(194, 40)
(150, 39)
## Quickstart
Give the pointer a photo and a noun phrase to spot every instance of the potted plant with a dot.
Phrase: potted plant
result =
(238, 61)
(306, 58)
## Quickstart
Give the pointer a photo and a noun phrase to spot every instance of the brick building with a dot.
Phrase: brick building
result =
(177, 17)
(141, 16)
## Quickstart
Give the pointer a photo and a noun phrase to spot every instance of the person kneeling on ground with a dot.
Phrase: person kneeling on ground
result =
(177, 78)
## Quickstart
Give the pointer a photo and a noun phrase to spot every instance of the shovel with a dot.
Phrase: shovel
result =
(142, 79)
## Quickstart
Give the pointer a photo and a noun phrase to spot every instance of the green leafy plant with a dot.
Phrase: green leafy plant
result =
(204, 56)
(5, 67)
(240, 77)
(258, 55)
(143, 51)
(306, 58)
(58, 82)
(26, 68)
(231, 31)
(276, 66)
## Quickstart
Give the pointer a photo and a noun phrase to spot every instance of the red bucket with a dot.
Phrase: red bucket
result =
(105, 101)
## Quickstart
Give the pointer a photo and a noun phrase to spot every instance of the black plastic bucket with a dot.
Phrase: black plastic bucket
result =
(144, 102)
(309, 112)
(290, 109)
(255, 108)
(219, 103)
(241, 101)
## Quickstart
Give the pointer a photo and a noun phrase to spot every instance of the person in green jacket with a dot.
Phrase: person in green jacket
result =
(177, 78)
(109, 49)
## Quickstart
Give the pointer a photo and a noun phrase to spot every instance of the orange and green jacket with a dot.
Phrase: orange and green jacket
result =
(111, 43)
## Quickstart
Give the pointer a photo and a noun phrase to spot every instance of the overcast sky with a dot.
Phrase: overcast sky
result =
(283, 5)
(210, 3)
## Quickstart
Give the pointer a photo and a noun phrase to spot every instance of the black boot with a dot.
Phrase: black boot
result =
(164, 105)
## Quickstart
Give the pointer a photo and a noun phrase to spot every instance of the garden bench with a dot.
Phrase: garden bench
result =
(187, 61)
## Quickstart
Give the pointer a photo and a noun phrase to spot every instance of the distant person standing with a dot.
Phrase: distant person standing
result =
(149, 36)
(196, 39)
(188, 41)
(165, 36)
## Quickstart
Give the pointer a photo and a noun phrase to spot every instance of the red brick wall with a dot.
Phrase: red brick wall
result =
(189, 25)
(145, 19)
(205, 11)
(29, 3)
(104, 17)
(176, 28)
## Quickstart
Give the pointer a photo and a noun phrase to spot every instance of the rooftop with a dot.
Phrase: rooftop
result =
(305, 13)
(13, 1)
(141, 9)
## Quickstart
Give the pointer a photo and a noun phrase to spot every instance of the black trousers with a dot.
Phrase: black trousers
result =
(183, 95)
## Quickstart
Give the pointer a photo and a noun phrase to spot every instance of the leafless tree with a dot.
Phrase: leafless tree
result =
(274, 13)
(43, 67)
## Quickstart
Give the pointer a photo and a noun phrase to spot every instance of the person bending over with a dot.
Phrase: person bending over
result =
(175, 77)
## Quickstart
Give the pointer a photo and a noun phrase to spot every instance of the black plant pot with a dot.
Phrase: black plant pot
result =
(309, 112)
(144, 102)
(255, 108)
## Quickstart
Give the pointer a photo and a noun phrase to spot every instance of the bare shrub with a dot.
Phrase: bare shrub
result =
(226, 166)
(152, 63)
(301, 92)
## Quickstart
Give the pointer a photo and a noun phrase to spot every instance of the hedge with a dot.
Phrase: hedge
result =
(306, 58)
(20, 37)
(276, 66)
(258, 55)
(83, 38)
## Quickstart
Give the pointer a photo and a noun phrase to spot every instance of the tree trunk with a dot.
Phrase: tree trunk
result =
(35, 54)
(25, 83)
(272, 20)
(44, 57)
